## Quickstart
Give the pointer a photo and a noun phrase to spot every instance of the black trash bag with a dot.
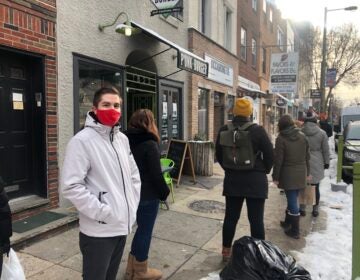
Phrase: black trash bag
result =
(254, 259)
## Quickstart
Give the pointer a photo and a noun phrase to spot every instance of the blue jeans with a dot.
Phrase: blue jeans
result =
(145, 218)
(292, 201)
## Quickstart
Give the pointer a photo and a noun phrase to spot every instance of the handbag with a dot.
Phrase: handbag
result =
(307, 195)
(12, 269)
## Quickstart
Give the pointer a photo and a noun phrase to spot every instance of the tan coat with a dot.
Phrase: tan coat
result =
(291, 159)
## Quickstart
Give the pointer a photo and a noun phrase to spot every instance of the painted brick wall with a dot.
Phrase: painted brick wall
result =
(31, 26)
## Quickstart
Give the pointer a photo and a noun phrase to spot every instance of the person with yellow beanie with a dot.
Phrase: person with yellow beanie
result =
(250, 185)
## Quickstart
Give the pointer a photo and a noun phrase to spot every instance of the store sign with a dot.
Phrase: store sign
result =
(281, 102)
(315, 93)
(219, 71)
(330, 77)
(165, 7)
(164, 4)
(283, 72)
(188, 62)
(247, 84)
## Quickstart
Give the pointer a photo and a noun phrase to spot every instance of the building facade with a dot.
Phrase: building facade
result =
(212, 35)
(29, 111)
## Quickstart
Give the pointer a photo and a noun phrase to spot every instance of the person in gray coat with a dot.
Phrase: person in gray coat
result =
(319, 157)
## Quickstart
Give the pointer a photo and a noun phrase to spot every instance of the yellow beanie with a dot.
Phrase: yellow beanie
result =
(242, 107)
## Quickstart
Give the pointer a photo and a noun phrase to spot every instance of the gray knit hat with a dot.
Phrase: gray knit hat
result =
(311, 117)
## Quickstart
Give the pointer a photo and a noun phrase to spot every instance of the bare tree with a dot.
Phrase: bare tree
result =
(343, 54)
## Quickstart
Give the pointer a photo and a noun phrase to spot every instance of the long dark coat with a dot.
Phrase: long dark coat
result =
(146, 153)
(5, 218)
(291, 163)
(250, 183)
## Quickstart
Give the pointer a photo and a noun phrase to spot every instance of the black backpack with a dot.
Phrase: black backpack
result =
(237, 149)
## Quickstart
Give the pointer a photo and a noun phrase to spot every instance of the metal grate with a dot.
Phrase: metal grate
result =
(207, 206)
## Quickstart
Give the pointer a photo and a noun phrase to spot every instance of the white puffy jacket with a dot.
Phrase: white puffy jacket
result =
(100, 177)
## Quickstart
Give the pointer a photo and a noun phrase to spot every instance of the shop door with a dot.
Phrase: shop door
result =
(20, 160)
(170, 125)
(219, 112)
(140, 91)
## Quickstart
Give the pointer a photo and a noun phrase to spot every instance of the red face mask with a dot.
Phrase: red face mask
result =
(108, 117)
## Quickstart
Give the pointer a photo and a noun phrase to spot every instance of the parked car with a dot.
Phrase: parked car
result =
(351, 151)
(350, 113)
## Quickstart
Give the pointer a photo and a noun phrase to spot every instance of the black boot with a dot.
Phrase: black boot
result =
(286, 223)
(315, 211)
(293, 231)
(303, 210)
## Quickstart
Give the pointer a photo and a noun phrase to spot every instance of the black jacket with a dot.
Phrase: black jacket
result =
(5, 218)
(146, 152)
(250, 183)
(324, 125)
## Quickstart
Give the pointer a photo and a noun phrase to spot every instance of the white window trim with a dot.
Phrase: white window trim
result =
(243, 43)
(264, 6)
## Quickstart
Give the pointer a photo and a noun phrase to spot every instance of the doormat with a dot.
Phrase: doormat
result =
(36, 221)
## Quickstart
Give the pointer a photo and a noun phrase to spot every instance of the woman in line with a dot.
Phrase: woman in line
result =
(5, 224)
(245, 185)
(291, 170)
(319, 157)
(144, 143)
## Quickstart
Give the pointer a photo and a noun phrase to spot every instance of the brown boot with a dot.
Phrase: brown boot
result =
(129, 274)
(226, 253)
(142, 272)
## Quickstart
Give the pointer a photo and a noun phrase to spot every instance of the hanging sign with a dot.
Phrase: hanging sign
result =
(165, 7)
(188, 62)
(283, 72)
(330, 78)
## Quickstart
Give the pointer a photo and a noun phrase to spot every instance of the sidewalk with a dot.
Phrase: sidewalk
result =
(186, 243)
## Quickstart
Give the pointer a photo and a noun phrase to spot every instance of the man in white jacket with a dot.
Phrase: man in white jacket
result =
(101, 179)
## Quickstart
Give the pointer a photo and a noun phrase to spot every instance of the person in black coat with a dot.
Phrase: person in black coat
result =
(5, 224)
(144, 144)
(250, 185)
(324, 125)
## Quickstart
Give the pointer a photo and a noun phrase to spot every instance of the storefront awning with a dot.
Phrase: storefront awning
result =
(185, 60)
(281, 96)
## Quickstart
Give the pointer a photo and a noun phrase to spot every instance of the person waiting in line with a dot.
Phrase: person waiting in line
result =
(324, 124)
(291, 170)
(144, 143)
(5, 224)
(319, 157)
(250, 185)
(101, 179)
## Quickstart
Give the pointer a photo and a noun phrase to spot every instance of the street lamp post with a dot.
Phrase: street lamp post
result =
(324, 53)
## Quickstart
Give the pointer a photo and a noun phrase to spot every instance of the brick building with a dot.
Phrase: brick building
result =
(28, 110)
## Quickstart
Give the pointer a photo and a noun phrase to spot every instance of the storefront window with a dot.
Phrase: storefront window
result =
(92, 75)
(230, 106)
(203, 111)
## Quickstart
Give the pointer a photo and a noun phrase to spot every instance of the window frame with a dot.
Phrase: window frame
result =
(253, 52)
(207, 102)
(263, 62)
(228, 28)
(254, 4)
(243, 42)
(77, 59)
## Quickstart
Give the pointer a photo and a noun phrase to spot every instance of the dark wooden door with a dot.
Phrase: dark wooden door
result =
(16, 126)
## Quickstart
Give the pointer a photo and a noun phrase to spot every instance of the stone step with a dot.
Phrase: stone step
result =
(21, 240)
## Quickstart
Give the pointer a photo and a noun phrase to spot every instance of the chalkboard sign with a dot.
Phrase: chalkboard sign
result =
(179, 151)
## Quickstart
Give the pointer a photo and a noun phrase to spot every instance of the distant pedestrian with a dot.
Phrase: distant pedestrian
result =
(240, 185)
(319, 157)
(5, 224)
(324, 125)
(291, 170)
(101, 179)
(144, 143)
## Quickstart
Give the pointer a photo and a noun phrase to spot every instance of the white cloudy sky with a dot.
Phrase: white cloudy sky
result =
(313, 11)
